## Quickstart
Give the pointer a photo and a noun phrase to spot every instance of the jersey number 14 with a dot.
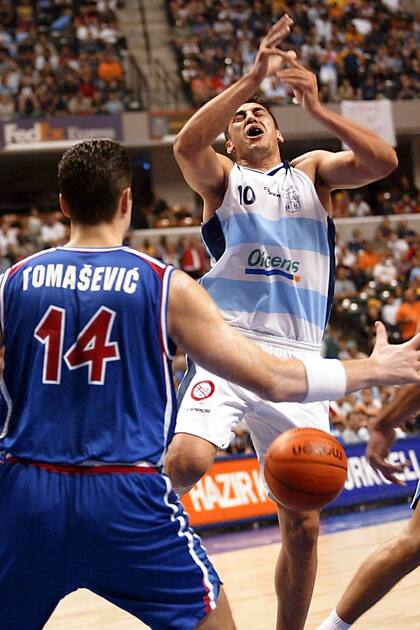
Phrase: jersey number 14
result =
(92, 347)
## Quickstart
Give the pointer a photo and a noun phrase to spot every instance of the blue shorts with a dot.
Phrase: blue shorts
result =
(124, 536)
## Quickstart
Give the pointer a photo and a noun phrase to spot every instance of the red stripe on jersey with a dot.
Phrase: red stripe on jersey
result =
(85, 470)
(159, 269)
(206, 599)
(16, 268)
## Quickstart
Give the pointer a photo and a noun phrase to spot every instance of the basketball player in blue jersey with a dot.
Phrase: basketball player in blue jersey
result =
(87, 411)
(386, 566)
(268, 227)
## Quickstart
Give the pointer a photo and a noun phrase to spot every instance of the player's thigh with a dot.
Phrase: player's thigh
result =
(268, 420)
(32, 546)
(140, 553)
(209, 407)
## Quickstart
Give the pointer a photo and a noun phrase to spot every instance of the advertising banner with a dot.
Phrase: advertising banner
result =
(232, 491)
(376, 115)
(33, 133)
(165, 123)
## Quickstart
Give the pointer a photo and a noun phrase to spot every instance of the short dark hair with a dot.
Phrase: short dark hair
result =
(92, 176)
(256, 98)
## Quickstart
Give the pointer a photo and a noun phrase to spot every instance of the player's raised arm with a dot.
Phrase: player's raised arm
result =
(205, 170)
(196, 324)
(369, 157)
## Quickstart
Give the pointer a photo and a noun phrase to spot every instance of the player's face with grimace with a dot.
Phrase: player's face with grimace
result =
(253, 129)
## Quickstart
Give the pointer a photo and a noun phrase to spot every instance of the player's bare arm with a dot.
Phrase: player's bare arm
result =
(369, 157)
(196, 324)
(206, 171)
(382, 430)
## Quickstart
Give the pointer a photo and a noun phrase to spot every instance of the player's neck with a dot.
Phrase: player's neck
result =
(260, 163)
(102, 235)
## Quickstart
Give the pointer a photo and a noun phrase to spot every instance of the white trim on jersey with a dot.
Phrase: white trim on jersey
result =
(90, 249)
(164, 311)
(146, 257)
(9, 404)
(164, 297)
(3, 285)
(9, 271)
(168, 406)
(183, 532)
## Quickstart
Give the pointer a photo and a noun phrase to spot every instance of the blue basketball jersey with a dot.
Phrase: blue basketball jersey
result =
(87, 372)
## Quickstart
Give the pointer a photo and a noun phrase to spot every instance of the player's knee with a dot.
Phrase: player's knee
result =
(187, 460)
(407, 547)
(301, 531)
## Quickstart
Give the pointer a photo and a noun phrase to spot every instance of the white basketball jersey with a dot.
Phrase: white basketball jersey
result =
(272, 246)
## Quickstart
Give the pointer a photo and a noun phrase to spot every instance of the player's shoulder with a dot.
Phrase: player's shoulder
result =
(157, 266)
(310, 157)
(33, 258)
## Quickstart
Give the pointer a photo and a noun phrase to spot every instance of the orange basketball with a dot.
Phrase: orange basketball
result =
(305, 469)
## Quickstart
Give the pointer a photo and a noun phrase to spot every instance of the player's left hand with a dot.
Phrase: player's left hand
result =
(377, 450)
(302, 82)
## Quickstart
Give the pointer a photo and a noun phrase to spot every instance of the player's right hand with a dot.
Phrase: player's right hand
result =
(398, 364)
(268, 60)
(377, 450)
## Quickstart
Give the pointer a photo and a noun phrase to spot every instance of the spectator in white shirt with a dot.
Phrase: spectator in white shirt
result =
(52, 231)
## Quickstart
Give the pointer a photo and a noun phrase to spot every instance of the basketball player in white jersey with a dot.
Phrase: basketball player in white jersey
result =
(268, 227)
(389, 564)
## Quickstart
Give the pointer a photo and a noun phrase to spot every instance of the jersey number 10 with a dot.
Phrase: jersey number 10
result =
(92, 347)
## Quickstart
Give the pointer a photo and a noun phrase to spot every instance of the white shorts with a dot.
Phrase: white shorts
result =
(416, 497)
(210, 407)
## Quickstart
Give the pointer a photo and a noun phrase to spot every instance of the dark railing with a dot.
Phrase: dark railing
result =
(145, 32)
(165, 90)
(138, 84)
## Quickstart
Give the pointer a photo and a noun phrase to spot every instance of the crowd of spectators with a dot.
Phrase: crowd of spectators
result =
(378, 277)
(61, 57)
(359, 49)
(400, 197)
(162, 214)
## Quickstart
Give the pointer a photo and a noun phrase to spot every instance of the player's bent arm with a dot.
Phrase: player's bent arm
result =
(206, 171)
(402, 407)
(370, 158)
(196, 324)
(344, 169)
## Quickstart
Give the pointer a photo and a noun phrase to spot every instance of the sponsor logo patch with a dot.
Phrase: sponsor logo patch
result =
(202, 390)
(261, 263)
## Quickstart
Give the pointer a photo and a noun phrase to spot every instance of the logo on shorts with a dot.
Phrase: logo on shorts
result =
(202, 390)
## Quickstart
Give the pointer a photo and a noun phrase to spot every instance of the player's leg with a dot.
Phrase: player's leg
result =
(189, 457)
(208, 408)
(296, 567)
(32, 546)
(297, 562)
(378, 575)
(140, 554)
(219, 618)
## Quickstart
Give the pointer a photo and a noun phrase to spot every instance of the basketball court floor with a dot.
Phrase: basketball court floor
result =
(245, 561)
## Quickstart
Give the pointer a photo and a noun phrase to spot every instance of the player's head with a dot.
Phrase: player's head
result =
(94, 178)
(253, 130)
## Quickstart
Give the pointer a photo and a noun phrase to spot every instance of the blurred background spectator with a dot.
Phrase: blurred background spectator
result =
(359, 49)
(63, 57)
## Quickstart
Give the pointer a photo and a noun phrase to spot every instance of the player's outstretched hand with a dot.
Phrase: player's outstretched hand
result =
(301, 80)
(377, 450)
(269, 61)
(400, 364)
